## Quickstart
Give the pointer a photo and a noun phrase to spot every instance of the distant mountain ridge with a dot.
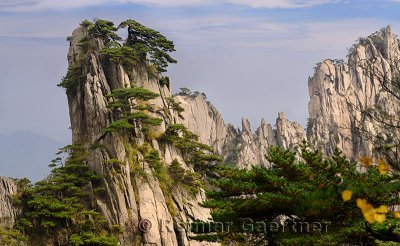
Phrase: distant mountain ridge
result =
(27, 154)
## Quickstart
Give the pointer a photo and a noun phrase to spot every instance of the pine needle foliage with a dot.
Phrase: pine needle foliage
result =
(127, 103)
(195, 153)
(72, 79)
(144, 46)
(59, 205)
(105, 30)
(150, 43)
(315, 189)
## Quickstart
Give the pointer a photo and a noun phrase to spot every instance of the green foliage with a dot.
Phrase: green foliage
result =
(177, 133)
(176, 106)
(117, 229)
(12, 237)
(119, 125)
(195, 153)
(153, 158)
(60, 202)
(164, 81)
(125, 94)
(353, 48)
(99, 191)
(86, 23)
(72, 79)
(115, 163)
(83, 44)
(144, 118)
(304, 191)
(186, 92)
(149, 43)
(153, 72)
(128, 114)
(104, 30)
(136, 167)
(185, 178)
(124, 55)
(143, 46)
(88, 238)
(176, 171)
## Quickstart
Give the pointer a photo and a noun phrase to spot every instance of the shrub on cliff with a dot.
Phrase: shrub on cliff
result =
(150, 42)
(195, 153)
(59, 207)
(131, 107)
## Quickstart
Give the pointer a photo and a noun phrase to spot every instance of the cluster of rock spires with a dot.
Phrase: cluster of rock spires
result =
(338, 93)
(239, 147)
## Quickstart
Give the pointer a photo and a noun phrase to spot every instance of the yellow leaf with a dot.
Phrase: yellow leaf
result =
(346, 195)
(382, 209)
(365, 161)
(382, 167)
(369, 215)
(372, 214)
(396, 214)
(361, 202)
(380, 218)
(367, 210)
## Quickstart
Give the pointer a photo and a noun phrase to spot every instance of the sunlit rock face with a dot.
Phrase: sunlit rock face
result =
(8, 212)
(340, 92)
(244, 147)
(129, 198)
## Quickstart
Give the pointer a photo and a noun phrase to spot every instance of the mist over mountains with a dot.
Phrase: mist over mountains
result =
(27, 154)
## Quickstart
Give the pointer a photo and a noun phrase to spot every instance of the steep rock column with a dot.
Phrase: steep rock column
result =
(89, 117)
(288, 134)
(130, 195)
(340, 92)
(8, 212)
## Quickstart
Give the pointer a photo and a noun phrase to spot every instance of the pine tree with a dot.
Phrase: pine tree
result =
(59, 206)
(149, 42)
(131, 107)
(309, 202)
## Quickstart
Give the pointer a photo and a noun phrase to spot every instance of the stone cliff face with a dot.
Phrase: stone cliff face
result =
(8, 212)
(341, 92)
(129, 198)
(240, 147)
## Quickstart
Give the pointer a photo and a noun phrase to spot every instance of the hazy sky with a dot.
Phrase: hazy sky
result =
(251, 57)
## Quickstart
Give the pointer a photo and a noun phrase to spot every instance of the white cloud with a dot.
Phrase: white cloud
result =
(282, 3)
(37, 5)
